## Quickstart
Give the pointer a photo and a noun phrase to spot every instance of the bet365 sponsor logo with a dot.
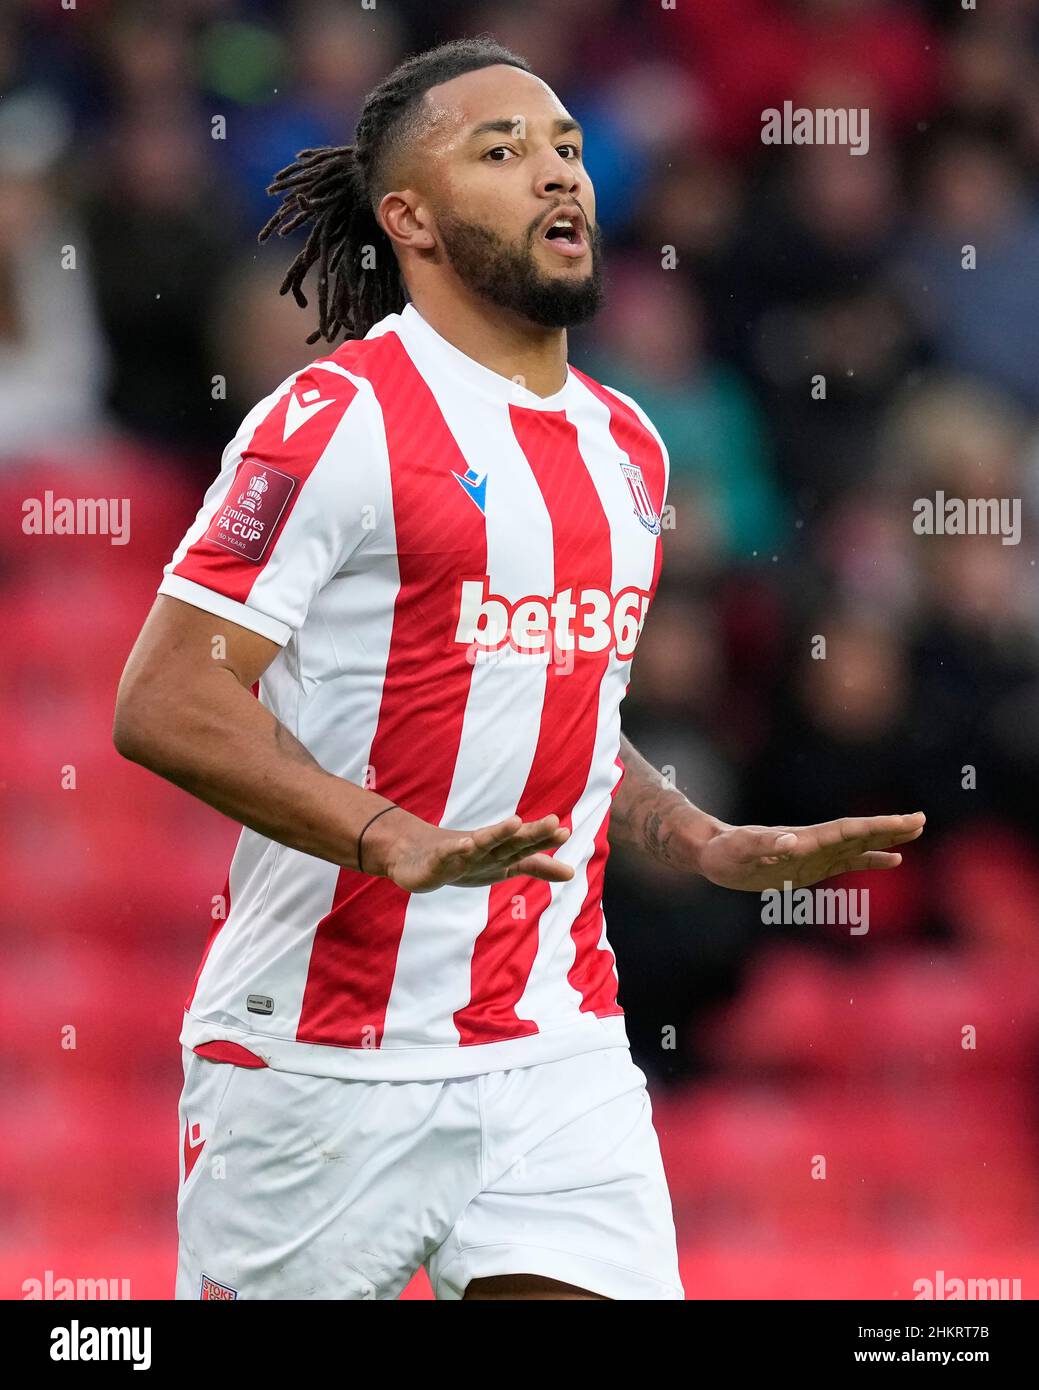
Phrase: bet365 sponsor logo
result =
(586, 620)
(254, 506)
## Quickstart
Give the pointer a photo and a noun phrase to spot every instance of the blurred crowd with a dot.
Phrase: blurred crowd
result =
(797, 321)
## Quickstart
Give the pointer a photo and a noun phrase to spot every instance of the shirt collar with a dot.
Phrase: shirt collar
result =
(427, 342)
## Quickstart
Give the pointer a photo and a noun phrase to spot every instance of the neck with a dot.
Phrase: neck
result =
(499, 340)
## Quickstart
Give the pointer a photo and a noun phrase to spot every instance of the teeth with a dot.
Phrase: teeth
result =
(568, 226)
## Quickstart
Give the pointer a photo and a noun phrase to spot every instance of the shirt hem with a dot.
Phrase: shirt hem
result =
(413, 1063)
(188, 591)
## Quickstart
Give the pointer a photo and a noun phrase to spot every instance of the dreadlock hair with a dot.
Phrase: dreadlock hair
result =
(335, 189)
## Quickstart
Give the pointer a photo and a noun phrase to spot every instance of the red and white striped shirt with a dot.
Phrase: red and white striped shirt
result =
(457, 571)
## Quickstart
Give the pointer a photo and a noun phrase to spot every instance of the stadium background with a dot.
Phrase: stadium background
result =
(792, 520)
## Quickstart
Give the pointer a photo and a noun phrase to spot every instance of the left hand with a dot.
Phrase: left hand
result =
(757, 857)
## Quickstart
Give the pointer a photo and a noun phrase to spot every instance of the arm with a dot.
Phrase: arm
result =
(185, 711)
(651, 815)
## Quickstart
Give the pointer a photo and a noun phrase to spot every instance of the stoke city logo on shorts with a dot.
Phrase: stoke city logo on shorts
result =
(211, 1289)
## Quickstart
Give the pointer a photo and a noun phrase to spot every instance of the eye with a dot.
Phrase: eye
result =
(575, 151)
(499, 150)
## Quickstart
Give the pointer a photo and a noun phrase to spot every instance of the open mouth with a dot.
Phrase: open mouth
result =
(565, 234)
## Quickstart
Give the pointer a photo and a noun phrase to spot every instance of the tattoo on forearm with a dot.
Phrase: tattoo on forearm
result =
(646, 808)
(657, 835)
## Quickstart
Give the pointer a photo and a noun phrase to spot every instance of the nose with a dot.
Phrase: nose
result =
(558, 176)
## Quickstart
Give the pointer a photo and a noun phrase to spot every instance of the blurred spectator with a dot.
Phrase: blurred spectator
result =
(820, 329)
(318, 80)
(159, 228)
(52, 354)
(973, 201)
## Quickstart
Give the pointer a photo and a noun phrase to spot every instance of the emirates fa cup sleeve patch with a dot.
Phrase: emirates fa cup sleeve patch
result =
(254, 506)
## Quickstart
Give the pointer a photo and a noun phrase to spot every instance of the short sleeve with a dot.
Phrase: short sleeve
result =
(300, 489)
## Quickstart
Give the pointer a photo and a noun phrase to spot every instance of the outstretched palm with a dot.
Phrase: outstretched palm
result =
(427, 857)
(756, 857)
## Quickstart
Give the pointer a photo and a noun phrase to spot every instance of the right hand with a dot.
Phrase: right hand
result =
(419, 857)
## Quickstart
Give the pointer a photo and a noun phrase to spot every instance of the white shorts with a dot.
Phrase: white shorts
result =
(309, 1187)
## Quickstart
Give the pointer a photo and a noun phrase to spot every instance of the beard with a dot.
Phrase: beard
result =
(506, 274)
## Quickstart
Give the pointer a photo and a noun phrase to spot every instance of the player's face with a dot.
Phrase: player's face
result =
(513, 205)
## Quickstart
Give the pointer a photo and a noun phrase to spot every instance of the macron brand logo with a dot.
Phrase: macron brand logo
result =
(297, 414)
(193, 1146)
(572, 620)
(475, 485)
(248, 519)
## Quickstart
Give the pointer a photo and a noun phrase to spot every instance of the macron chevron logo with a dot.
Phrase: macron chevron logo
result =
(475, 485)
(193, 1146)
(297, 413)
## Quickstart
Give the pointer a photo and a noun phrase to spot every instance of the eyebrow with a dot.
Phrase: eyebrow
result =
(506, 126)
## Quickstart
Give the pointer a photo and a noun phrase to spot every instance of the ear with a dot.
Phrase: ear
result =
(406, 220)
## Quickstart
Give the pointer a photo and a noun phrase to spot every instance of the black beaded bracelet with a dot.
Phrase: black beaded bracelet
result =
(361, 836)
